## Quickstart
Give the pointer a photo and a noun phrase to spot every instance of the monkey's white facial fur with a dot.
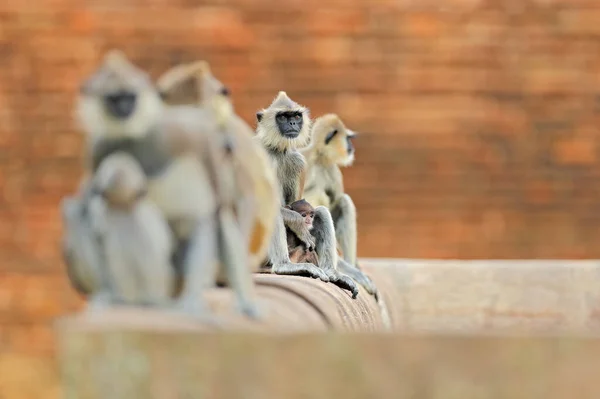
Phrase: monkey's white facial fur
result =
(118, 100)
(333, 141)
(284, 124)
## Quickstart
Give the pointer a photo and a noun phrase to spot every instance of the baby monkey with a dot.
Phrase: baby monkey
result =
(298, 250)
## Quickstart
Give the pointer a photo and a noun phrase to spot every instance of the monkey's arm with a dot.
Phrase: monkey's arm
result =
(295, 222)
(80, 250)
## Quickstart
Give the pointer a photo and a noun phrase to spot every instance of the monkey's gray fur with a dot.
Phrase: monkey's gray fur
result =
(281, 128)
(133, 237)
(330, 148)
(121, 110)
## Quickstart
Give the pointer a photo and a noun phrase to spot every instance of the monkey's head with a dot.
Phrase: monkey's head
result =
(215, 95)
(305, 209)
(120, 180)
(284, 124)
(194, 84)
(181, 85)
(333, 140)
(118, 100)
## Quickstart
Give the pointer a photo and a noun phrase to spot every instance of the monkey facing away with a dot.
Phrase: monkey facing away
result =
(133, 240)
(121, 110)
(331, 147)
(194, 84)
(297, 249)
(281, 128)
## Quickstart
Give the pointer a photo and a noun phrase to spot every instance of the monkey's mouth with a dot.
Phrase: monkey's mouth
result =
(291, 134)
(120, 105)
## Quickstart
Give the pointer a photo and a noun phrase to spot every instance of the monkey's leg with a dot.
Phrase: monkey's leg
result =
(245, 211)
(154, 246)
(279, 257)
(325, 246)
(344, 219)
(234, 254)
(199, 268)
(358, 276)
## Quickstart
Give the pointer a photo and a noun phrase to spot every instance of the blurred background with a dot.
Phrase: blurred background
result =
(477, 120)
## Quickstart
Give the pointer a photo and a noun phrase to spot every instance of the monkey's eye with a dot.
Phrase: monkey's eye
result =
(303, 215)
(298, 117)
(281, 118)
(225, 91)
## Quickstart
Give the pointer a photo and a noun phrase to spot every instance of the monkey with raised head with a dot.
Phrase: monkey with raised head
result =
(331, 148)
(297, 249)
(194, 84)
(132, 238)
(187, 170)
(281, 128)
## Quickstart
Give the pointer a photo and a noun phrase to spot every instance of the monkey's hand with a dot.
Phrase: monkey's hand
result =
(306, 237)
(295, 222)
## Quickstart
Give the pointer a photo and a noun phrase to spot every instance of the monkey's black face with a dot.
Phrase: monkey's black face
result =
(290, 123)
(121, 104)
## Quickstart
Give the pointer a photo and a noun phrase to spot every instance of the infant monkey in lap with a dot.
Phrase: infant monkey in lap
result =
(297, 249)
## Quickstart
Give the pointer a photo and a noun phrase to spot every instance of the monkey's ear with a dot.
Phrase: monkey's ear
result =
(259, 116)
(330, 136)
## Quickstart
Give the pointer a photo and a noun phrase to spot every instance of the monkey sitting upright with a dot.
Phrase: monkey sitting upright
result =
(194, 84)
(131, 238)
(297, 249)
(331, 148)
(281, 128)
(188, 170)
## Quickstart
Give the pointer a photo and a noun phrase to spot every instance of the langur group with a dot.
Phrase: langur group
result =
(180, 195)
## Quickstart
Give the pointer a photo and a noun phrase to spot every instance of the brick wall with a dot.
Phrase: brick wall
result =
(478, 120)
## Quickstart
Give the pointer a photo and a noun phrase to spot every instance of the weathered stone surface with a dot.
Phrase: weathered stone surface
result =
(479, 296)
(132, 365)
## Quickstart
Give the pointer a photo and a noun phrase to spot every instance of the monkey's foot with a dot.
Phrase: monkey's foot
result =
(300, 269)
(344, 282)
(358, 276)
(198, 310)
(250, 309)
(99, 301)
(368, 285)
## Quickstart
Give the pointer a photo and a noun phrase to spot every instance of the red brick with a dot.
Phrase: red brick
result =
(338, 21)
(579, 21)
(576, 151)
(82, 21)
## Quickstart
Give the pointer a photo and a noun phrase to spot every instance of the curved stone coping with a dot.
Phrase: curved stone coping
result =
(490, 295)
(417, 295)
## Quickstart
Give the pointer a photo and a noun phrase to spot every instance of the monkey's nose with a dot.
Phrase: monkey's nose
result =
(121, 105)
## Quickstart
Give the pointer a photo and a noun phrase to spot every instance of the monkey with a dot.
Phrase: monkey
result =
(120, 109)
(281, 128)
(194, 84)
(331, 148)
(132, 236)
(297, 249)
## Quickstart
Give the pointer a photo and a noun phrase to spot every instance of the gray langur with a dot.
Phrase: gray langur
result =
(281, 128)
(194, 84)
(125, 232)
(120, 109)
(331, 148)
